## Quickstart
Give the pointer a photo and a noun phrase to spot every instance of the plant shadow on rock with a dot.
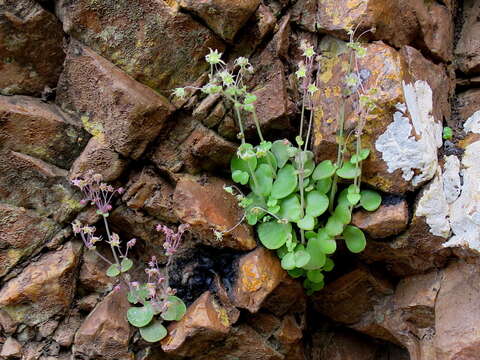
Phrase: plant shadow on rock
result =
(193, 272)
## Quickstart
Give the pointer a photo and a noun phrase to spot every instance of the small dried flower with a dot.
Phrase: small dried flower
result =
(214, 57)
(131, 243)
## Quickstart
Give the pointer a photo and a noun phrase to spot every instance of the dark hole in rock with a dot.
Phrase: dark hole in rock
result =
(389, 199)
(193, 272)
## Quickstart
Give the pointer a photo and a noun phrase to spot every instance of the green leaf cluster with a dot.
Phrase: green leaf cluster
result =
(149, 315)
(290, 205)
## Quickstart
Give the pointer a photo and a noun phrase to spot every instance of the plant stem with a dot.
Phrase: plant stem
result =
(110, 241)
(257, 125)
(340, 151)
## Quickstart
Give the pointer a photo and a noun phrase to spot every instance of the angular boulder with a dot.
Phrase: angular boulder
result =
(207, 207)
(225, 18)
(205, 323)
(124, 114)
(21, 232)
(105, 333)
(44, 288)
(40, 130)
(151, 40)
(31, 48)
(467, 50)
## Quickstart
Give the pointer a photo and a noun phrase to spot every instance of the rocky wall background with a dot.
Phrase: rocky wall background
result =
(86, 84)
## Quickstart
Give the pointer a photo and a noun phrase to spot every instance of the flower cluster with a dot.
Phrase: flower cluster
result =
(172, 239)
(97, 192)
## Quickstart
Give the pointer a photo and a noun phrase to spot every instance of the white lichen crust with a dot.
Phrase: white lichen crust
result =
(411, 141)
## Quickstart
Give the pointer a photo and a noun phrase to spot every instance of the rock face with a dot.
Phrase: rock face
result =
(468, 46)
(31, 47)
(259, 274)
(138, 115)
(147, 50)
(207, 207)
(388, 130)
(21, 232)
(44, 288)
(428, 25)
(105, 333)
(206, 321)
(225, 18)
(39, 130)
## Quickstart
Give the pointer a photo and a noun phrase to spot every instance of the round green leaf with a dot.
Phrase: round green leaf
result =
(154, 332)
(269, 159)
(281, 252)
(370, 200)
(315, 276)
(353, 198)
(136, 296)
(354, 238)
(324, 170)
(113, 270)
(290, 208)
(288, 261)
(302, 258)
(334, 226)
(126, 264)
(296, 273)
(273, 235)
(348, 171)
(243, 165)
(317, 203)
(343, 213)
(285, 183)
(240, 177)
(175, 309)
(361, 156)
(324, 185)
(262, 183)
(325, 242)
(280, 151)
(307, 223)
(140, 316)
(342, 198)
(317, 256)
(329, 265)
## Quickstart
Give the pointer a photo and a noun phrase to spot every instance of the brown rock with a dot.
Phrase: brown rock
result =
(289, 331)
(125, 115)
(384, 69)
(31, 47)
(269, 84)
(288, 296)
(456, 325)
(386, 221)
(436, 76)
(21, 233)
(342, 345)
(92, 273)
(260, 25)
(105, 333)
(7, 325)
(65, 333)
(468, 103)
(87, 303)
(148, 191)
(225, 18)
(244, 343)
(205, 323)
(189, 146)
(207, 207)
(34, 184)
(428, 25)
(467, 50)
(264, 323)
(11, 349)
(164, 50)
(351, 296)
(259, 273)
(44, 288)
(99, 158)
(305, 14)
(40, 130)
